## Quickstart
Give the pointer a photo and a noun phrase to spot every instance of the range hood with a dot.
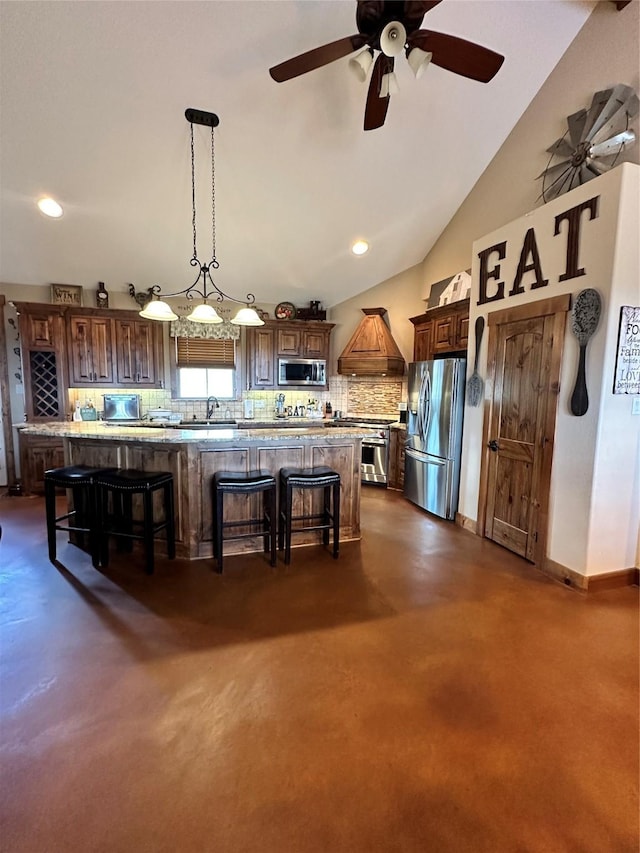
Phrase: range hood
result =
(372, 350)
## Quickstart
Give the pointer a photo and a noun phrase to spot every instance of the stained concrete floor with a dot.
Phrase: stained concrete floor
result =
(428, 692)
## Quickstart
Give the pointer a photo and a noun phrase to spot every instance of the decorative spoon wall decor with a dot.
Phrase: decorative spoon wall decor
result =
(586, 314)
(475, 385)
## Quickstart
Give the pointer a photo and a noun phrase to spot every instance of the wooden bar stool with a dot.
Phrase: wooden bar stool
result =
(82, 518)
(121, 484)
(321, 477)
(239, 483)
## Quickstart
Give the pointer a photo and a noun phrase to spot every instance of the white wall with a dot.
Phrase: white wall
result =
(595, 501)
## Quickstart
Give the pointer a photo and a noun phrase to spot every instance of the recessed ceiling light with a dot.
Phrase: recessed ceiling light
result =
(50, 207)
(360, 247)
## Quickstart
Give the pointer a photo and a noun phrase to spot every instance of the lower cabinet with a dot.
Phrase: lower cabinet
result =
(396, 458)
(37, 455)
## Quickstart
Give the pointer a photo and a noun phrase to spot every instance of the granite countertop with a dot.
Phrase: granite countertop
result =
(111, 432)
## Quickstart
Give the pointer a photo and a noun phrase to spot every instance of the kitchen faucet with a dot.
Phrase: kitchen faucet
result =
(212, 403)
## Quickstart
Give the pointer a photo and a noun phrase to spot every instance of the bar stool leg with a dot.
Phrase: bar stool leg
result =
(219, 540)
(288, 524)
(50, 510)
(272, 523)
(148, 531)
(170, 520)
(281, 516)
(336, 520)
(326, 513)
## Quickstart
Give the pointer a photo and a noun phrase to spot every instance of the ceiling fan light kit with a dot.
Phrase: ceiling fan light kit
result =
(391, 26)
(418, 60)
(361, 63)
(393, 39)
(389, 85)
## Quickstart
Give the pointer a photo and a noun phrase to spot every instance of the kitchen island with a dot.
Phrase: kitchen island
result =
(193, 456)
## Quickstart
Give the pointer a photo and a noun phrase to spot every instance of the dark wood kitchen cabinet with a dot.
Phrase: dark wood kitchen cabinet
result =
(441, 330)
(90, 351)
(138, 353)
(303, 343)
(260, 357)
(43, 353)
(283, 339)
(38, 453)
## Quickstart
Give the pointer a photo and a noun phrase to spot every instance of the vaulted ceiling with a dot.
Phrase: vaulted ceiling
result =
(93, 96)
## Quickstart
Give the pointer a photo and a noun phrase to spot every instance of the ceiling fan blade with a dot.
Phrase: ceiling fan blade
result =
(316, 58)
(376, 109)
(458, 55)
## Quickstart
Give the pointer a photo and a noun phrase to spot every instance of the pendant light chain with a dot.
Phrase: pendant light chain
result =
(214, 260)
(193, 195)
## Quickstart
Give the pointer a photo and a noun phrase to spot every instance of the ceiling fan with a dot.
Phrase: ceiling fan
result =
(391, 26)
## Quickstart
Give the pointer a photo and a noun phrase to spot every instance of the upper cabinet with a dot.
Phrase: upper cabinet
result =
(114, 349)
(303, 343)
(90, 351)
(283, 339)
(441, 330)
(66, 347)
(260, 351)
(138, 347)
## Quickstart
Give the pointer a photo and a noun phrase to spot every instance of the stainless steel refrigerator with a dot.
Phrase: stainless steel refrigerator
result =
(434, 434)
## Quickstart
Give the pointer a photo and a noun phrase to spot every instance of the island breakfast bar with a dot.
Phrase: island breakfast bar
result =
(194, 456)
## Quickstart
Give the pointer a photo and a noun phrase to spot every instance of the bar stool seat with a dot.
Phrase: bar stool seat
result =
(244, 483)
(121, 484)
(320, 477)
(82, 518)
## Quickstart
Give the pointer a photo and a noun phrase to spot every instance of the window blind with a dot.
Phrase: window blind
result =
(205, 352)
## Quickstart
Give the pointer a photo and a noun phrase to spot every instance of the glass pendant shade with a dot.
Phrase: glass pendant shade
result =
(156, 309)
(389, 85)
(247, 317)
(204, 313)
(361, 63)
(418, 60)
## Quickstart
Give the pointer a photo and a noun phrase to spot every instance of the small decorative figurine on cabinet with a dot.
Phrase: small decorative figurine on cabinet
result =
(102, 297)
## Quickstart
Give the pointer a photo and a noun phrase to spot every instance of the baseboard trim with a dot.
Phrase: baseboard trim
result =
(466, 523)
(614, 580)
(590, 583)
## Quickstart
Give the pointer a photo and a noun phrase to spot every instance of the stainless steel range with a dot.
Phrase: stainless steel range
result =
(375, 448)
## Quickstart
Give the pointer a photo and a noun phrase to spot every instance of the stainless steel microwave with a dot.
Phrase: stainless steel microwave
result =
(302, 371)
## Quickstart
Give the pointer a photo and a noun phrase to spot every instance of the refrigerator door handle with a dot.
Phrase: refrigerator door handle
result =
(426, 406)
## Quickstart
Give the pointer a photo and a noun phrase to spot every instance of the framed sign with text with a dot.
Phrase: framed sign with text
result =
(66, 294)
(627, 374)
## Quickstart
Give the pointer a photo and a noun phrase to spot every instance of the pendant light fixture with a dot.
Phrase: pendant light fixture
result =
(204, 285)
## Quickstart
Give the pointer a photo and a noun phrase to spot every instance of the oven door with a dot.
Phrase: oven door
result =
(375, 460)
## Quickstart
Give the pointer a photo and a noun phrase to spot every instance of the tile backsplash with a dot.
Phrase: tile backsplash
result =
(362, 395)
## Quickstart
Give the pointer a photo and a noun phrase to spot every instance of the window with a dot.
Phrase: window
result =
(205, 367)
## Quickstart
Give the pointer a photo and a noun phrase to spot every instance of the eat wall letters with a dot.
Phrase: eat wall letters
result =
(530, 256)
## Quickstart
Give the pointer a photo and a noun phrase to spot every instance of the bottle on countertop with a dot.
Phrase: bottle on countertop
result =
(328, 410)
(77, 416)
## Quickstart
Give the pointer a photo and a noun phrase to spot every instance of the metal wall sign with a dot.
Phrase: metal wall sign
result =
(627, 374)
